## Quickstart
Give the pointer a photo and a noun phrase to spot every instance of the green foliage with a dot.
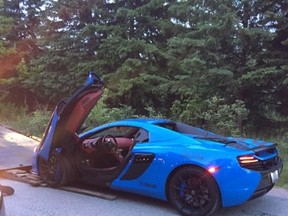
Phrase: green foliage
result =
(22, 69)
(10, 111)
(173, 57)
(32, 124)
(213, 114)
(101, 114)
(189, 111)
(225, 118)
(283, 152)
(152, 113)
(38, 121)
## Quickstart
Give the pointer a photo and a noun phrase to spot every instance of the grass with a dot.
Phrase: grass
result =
(32, 124)
(283, 152)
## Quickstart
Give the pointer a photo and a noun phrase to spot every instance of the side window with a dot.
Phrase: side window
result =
(119, 131)
(141, 136)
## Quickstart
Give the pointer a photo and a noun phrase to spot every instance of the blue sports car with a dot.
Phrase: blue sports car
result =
(196, 170)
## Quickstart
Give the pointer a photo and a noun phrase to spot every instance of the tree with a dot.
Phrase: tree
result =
(134, 52)
(201, 55)
(263, 72)
(18, 45)
(69, 41)
(172, 57)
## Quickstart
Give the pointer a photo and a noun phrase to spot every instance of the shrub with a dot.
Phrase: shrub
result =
(188, 111)
(32, 124)
(10, 111)
(223, 118)
(101, 114)
(38, 121)
(214, 114)
(283, 153)
(152, 113)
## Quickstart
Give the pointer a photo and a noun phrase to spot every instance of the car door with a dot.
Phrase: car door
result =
(69, 115)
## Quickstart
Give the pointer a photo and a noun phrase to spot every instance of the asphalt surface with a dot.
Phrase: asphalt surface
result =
(15, 149)
(35, 201)
(44, 201)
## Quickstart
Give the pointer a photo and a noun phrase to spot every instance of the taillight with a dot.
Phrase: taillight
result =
(247, 159)
(252, 162)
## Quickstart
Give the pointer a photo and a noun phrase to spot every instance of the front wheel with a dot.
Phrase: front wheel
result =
(53, 171)
(193, 192)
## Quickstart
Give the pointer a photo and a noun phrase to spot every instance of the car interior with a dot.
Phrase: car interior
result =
(108, 148)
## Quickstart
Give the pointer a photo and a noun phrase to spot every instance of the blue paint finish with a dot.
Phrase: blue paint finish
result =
(47, 142)
(44, 148)
(236, 184)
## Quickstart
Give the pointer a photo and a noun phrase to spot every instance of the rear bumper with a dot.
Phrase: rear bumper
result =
(267, 181)
(246, 184)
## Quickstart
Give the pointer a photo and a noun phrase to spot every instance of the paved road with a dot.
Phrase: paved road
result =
(36, 201)
(15, 149)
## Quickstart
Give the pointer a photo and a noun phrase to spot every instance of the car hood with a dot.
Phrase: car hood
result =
(70, 114)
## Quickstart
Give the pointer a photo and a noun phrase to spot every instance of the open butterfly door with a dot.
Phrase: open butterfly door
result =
(69, 116)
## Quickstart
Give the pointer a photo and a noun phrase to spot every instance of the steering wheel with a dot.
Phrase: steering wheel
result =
(109, 144)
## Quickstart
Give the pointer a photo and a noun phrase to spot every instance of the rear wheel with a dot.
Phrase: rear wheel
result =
(194, 192)
(53, 171)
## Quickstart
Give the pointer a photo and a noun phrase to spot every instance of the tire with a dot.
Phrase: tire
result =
(193, 192)
(53, 171)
